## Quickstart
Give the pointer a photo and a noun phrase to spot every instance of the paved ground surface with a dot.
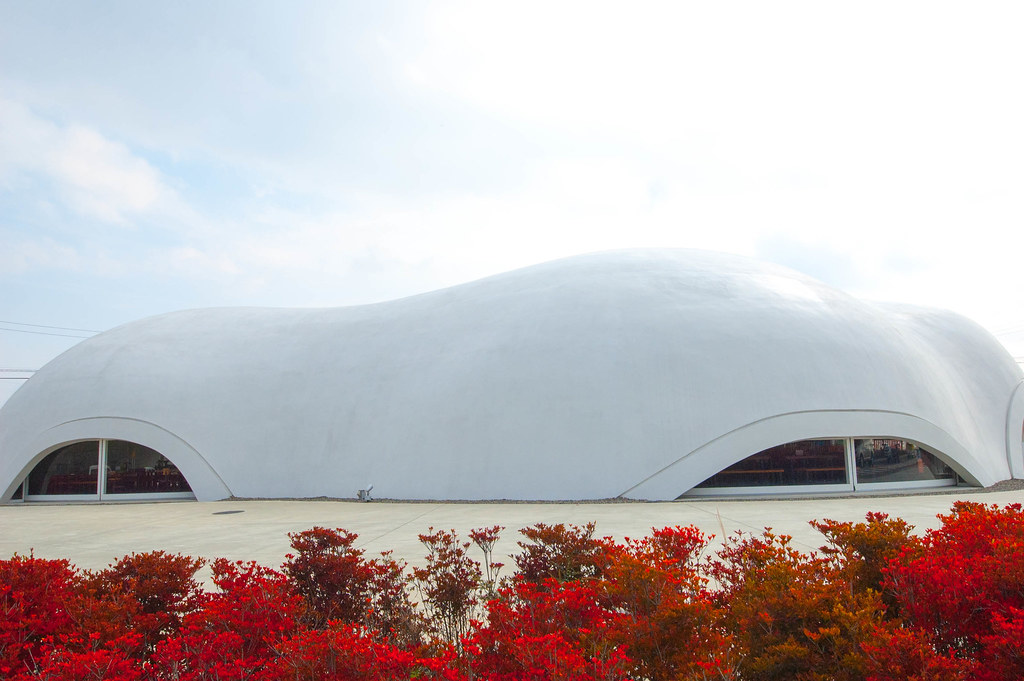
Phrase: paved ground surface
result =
(91, 536)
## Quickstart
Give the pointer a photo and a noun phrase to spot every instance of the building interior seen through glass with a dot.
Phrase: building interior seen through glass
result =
(806, 462)
(130, 469)
(888, 460)
(134, 469)
(71, 469)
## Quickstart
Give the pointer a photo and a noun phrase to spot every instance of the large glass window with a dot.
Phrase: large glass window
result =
(134, 469)
(72, 469)
(807, 462)
(878, 463)
(890, 460)
(106, 469)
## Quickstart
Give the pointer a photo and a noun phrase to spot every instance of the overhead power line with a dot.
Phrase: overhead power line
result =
(45, 333)
(44, 326)
(16, 371)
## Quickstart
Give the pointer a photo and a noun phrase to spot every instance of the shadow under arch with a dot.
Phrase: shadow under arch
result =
(206, 484)
(718, 454)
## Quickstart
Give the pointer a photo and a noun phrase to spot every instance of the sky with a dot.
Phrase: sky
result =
(162, 156)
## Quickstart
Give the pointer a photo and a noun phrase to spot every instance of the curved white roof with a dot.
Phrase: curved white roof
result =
(637, 373)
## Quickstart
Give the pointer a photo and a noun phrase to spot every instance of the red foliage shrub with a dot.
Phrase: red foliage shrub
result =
(1003, 650)
(669, 625)
(391, 614)
(85, 661)
(448, 584)
(895, 653)
(34, 595)
(330, 574)
(964, 587)
(351, 653)
(338, 584)
(485, 538)
(236, 632)
(866, 549)
(163, 583)
(563, 552)
(111, 619)
(146, 593)
(791, 615)
(342, 653)
(654, 608)
(550, 630)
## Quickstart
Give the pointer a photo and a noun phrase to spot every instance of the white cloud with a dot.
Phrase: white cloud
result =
(95, 176)
(662, 71)
(104, 179)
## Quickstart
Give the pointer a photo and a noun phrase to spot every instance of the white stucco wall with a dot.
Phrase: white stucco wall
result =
(638, 372)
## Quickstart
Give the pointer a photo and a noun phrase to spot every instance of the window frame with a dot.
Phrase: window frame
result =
(101, 493)
(851, 487)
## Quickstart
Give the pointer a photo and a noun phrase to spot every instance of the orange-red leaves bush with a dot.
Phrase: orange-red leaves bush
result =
(866, 549)
(236, 632)
(895, 653)
(56, 623)
(108, 662)
(563, 552)
(34, 595)
(1003, 650)
(150, 592)
(330, 575)
(964, 587)
(792, 615)
(338, 584)
(342, 653)
(669, 626)
(655, 608)
(485, 538)
(448, 584)
(551, 630)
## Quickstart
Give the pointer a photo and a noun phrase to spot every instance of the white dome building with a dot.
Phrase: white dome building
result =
(640, 374)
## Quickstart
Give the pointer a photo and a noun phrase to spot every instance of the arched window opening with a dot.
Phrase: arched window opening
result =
(886, 460)
(134, 469)
(105, 469)
(70, 470)
(806, 462)
(832, 465)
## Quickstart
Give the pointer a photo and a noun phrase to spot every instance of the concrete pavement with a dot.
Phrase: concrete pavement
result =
(93, 535)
